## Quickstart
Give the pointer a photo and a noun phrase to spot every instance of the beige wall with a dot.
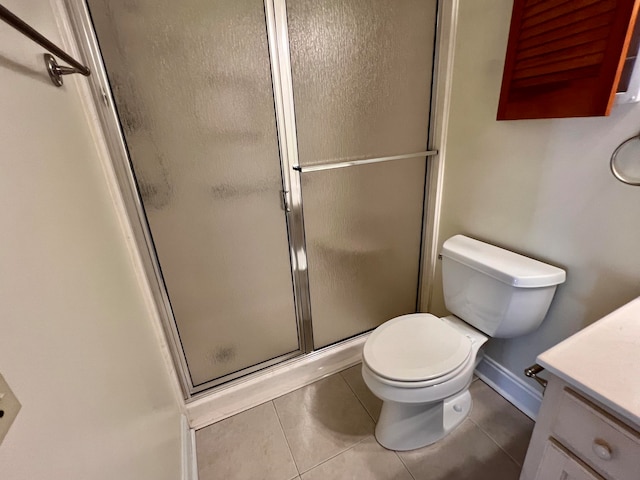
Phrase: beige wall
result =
(77, 343)
(540, 187)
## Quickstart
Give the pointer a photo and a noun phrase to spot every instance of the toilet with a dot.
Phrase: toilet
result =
(421, 366)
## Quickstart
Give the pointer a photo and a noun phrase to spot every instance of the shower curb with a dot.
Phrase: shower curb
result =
(274, 382)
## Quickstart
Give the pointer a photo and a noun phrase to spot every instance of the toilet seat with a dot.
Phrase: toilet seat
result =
(416, 350)
(453, 375)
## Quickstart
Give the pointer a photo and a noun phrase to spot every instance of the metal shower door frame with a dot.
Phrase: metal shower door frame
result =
(281, 71)
(278, 38)
(278, 43)
(105, 107)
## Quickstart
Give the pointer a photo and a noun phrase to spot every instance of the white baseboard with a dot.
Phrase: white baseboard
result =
(189, 461)
(525, 397)
(274, 382)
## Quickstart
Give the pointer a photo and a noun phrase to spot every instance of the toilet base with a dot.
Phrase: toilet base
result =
(405, 426)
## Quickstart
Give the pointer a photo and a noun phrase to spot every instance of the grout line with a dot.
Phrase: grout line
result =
(507, 400)
(357, 397)
(496, 442)
(487, 433)
(337, 454)
(405, 465)
(518, 411)
(284, 434)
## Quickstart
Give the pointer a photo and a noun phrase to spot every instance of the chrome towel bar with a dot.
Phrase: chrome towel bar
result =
(616, 171)
(533, 371)
(55, 71)
(366, 161)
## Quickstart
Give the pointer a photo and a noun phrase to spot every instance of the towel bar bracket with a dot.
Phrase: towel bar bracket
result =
(57, 71)
(533, 371)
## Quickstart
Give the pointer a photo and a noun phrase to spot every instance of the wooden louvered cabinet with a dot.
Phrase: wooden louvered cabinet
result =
(565, 58)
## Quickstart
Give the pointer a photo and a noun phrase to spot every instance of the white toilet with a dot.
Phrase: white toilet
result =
(421, 365)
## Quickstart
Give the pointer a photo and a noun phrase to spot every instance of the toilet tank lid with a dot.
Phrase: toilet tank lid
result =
(503, 265)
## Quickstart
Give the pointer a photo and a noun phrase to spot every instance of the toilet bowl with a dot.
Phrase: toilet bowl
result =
(421, 366)
(430, 398)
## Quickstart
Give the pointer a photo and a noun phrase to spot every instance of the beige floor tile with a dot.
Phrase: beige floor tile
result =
(250, 445)
(353, 377)
(466, 454)
(508, 426)
(367, 460)
(322, 420)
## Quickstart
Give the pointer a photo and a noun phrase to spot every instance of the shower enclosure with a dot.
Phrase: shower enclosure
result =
(277, 153)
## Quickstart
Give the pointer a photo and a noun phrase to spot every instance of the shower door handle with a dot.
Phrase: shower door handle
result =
(284, 201)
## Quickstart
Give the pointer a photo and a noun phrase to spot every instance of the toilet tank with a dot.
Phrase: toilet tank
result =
(499, 292)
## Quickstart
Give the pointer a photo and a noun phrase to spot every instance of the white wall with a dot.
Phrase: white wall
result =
(540, 187)
(77, 343)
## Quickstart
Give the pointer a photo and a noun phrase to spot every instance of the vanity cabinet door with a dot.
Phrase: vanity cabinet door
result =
(565, 59)
(557, 464)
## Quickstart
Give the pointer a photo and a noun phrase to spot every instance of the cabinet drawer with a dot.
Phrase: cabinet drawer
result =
(558, 464)
(606, 444)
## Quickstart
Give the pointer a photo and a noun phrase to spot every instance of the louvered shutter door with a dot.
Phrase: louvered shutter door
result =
(564, 57)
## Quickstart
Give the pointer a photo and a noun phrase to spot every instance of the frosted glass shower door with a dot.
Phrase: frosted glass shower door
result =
(192, 84)
(362, 74)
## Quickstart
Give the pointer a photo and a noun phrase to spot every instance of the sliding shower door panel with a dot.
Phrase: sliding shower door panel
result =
(363, 228)
(362, 73)
(192, 84)
(361, 77)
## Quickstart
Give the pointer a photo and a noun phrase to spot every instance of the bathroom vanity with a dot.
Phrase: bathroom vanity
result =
(588, 427)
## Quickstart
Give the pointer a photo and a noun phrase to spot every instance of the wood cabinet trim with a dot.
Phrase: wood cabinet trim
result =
(568, 60)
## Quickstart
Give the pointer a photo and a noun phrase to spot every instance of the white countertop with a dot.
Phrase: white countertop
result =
(603, 361)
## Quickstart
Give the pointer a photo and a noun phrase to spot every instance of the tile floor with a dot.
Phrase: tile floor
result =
(325, 431)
